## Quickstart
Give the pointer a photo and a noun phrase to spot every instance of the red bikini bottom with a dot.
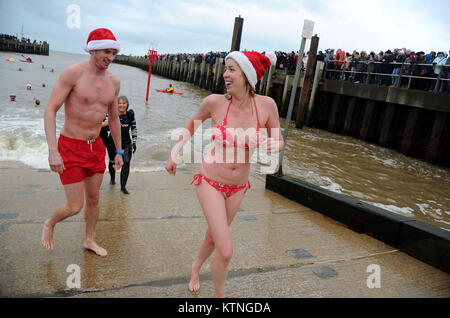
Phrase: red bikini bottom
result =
(226, 189)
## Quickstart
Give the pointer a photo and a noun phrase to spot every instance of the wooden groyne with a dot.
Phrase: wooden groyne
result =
(41, 48)
(413, 122)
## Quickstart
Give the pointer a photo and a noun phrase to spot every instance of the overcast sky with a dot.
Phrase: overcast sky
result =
(199, 26)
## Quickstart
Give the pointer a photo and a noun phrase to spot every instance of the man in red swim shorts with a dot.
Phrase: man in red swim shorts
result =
(89, 92)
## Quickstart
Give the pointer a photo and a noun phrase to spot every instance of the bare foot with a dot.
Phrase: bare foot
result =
(194, 283)
(47, 236)
(91, 245)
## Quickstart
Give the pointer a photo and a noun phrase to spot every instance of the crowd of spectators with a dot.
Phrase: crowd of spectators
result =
(15, 38)
(8, 37)
(209, 58)
(398, 68)
(286, 61)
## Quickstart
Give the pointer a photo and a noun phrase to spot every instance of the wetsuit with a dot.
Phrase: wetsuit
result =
(127, 122)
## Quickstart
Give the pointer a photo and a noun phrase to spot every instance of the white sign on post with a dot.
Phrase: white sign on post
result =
(308, 27)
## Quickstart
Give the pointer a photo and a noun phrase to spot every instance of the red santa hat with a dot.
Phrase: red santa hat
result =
(101, 39)
(253, 64)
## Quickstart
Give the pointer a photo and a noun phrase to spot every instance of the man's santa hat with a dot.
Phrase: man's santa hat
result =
(101, 39)
(253, 64)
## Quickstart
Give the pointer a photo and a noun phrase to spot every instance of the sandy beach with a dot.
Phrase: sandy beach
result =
(281, 248)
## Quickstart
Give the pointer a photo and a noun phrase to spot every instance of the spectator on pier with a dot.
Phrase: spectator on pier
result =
(304, 61)
(399, 59)
(446, 75)
(329, 59)
(418, 71)
(438, 62)
(428, 70)
(292, 62)
(407, 68)
(353, 65)
(386, 67)
(281, 60)
(347, 66)
(371, 67)
(320, 56)
(198, 59)
(361, 68)
(339, 63)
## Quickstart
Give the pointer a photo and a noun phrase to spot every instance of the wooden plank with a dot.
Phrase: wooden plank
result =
(349, 116)
(284, 106)
(365, 132)
(434, 148)
(334, 111)
(385, 135)
(408, 133)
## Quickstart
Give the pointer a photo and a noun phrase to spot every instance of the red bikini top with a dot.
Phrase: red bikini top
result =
(220, 134)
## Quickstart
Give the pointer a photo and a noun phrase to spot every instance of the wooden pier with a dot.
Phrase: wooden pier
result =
(41, 48)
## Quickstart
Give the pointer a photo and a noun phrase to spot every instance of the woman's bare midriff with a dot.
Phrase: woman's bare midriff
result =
(227, 172)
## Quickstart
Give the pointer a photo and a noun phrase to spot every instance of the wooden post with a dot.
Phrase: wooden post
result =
(349, 116)
(208, 72)
(219, 87)
(312, 100)
(178, 73)
(367, 120)
(191, 70)
(185, 70)
(334, 111)
(385, 137)
(237, 33)
(216, 75)
(302, 108)
(435, 142)
(261, 84)
(195, 73)
(269, 79)
(202, 75)
(408, 133)
(283, 108)
(174, 69)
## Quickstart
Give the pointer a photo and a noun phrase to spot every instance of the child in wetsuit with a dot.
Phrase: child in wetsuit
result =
(127, 121)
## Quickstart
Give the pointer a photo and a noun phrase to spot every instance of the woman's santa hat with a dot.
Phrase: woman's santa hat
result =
(253, 64)
(101, 39)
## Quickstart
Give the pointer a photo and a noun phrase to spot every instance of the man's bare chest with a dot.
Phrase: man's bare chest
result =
(90, 91)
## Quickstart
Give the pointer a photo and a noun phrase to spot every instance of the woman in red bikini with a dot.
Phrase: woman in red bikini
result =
(238, 118)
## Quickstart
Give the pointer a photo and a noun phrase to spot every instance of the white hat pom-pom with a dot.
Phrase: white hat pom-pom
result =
(272, 57)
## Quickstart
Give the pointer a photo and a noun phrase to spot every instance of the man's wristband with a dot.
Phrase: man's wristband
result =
(120, 152)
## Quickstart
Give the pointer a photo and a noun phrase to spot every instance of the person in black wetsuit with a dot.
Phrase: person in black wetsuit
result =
(127, 121)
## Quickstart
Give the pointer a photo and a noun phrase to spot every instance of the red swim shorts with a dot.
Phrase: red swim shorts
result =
(82, 158)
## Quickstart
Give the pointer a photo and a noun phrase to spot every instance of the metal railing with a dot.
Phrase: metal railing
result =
(344, 74)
